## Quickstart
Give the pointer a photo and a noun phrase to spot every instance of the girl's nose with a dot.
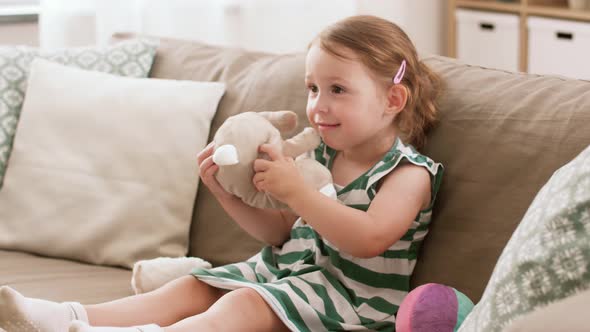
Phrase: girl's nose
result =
(319, 104)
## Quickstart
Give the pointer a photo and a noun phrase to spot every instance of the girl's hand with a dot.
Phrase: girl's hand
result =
(207, 170)
(278, 176)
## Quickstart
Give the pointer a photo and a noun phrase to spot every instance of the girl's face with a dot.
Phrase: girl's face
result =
(345, 103)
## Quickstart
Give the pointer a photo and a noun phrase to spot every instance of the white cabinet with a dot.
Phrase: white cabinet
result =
(559, 47)
(18, 23)
(488, 39)
(19, 33)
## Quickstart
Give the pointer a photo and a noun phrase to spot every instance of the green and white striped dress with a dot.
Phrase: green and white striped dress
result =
(312, 286)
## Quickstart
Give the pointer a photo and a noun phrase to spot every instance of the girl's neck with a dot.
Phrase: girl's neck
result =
(372, 150)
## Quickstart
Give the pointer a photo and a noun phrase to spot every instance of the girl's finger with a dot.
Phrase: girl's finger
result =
(258, 177)
(261, 165)
(206, 164)
(207, 151)
(270, 150)
(259, 186)
(210, 172)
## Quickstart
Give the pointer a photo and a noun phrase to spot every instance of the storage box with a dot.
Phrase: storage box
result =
(559, 47)
(488, 39)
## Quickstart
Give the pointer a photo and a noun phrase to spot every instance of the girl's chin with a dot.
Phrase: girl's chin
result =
(330, 141)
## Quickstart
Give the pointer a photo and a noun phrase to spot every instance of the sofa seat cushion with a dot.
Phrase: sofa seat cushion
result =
(62, 280)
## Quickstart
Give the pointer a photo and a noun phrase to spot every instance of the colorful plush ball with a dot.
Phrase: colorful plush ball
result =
(432, 307)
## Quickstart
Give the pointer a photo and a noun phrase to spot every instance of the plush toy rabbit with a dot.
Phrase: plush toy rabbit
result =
(236, 148)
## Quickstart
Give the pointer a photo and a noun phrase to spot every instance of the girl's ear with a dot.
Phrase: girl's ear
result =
(397, 97)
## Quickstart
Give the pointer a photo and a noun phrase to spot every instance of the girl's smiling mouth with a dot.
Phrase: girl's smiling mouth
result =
(327, 126)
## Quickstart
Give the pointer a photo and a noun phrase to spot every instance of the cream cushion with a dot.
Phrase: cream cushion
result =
(104, 168)
(132, 58)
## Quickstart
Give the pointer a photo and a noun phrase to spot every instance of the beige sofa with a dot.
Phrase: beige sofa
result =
(501, 135)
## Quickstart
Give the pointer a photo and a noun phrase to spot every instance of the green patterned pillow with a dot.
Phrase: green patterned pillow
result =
(129, 58)
(547, 257)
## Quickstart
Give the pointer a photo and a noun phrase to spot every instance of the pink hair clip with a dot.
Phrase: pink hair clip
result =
(400, 73)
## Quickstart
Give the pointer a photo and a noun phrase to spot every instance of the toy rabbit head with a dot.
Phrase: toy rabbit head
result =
(236, 148)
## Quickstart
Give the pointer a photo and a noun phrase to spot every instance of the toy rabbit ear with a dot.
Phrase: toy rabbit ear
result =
(306, 140)
(285, 121)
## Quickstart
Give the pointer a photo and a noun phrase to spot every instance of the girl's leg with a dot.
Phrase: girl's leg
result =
(184, 297)
(174, 301)
(239, 310)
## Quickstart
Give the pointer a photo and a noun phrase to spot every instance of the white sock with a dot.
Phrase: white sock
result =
(78, 326)
(19, 313)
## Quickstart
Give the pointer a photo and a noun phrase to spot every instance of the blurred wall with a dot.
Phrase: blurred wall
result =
(265, 25)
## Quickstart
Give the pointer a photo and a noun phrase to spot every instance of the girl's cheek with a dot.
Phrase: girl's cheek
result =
(309, 113)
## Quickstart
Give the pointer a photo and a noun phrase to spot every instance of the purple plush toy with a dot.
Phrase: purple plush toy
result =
(432, 307)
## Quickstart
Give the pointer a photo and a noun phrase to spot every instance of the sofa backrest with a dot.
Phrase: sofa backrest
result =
(501, 135)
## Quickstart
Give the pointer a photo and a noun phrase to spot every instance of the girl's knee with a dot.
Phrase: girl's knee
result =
(187, 284)
(252, 304)
(188, 290)
(245, 308)
(247, 296)
(247, 302)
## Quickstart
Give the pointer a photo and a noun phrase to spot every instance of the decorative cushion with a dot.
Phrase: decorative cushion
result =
(106, 173)
(548, 256)
(130, 58)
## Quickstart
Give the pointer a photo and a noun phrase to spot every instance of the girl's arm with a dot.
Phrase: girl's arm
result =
(403, 193)
(266, 225)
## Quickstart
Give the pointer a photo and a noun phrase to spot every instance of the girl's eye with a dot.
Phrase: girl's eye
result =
(312, 88)
(337, 90)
